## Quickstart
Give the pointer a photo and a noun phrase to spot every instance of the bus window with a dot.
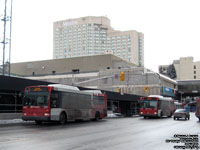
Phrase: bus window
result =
(149, 104)
(159, 104)
(99, 100)
(36, 99)
(42, 101)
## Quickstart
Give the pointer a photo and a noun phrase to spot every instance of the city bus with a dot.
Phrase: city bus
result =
(156, 106)
(62, 103)
(198, 108)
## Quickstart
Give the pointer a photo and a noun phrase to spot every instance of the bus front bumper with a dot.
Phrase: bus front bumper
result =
(149, 115)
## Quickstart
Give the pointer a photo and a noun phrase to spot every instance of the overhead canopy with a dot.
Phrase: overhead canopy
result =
(117, 96)
(17, 84)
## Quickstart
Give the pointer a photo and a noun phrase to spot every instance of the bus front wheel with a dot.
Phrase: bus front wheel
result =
(97, 116)
(63, 118)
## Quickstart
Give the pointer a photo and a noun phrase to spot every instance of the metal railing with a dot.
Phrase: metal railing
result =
(14, 108)
(10, 102)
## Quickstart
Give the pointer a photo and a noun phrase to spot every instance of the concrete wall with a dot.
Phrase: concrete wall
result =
(186, 68)
(66, 65)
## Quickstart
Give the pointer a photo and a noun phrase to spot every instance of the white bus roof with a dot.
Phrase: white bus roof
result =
(93, 91)
(65, 87)
(161, 97)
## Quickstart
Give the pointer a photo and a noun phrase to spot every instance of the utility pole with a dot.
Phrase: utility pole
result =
(6, 57)
(10, 38)
(4, 37)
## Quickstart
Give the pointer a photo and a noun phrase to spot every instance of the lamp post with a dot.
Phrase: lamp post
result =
(73, 72)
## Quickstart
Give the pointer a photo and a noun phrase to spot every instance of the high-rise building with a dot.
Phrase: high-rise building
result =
(93, 36)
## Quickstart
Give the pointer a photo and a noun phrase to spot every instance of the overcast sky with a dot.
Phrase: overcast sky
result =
(171, 28)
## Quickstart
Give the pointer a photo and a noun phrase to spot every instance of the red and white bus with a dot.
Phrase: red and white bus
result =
(198, 108)
(62, 103)
(156, 106)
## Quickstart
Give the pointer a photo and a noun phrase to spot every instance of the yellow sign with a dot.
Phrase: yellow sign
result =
(122, 76)
(37, 89)
(119, 90)
(146, 89)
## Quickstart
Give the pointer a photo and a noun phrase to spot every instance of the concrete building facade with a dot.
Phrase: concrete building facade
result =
(65, 66)
(91, 35)
(138, 81)
(98, 72)
(186, 69)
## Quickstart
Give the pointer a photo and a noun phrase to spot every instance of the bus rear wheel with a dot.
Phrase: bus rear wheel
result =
(63, 118)
(170, 115)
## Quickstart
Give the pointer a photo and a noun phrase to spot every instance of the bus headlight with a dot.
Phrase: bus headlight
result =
(24, 114)
(141, 112)
(155, 113)
(46, 114)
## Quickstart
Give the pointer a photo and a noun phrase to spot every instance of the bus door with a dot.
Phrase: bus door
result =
(55, 103)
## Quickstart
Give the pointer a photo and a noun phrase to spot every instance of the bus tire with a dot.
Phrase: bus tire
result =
(38, 122)
(97, 116)
(63, 118)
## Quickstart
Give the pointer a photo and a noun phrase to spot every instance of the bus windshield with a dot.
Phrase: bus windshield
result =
(149, 104)
(36, 98)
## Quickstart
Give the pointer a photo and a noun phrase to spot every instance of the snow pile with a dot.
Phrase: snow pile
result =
(11, 121)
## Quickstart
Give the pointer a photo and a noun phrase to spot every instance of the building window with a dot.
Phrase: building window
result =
(194, 66)
(194, 72)
(194, 77)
